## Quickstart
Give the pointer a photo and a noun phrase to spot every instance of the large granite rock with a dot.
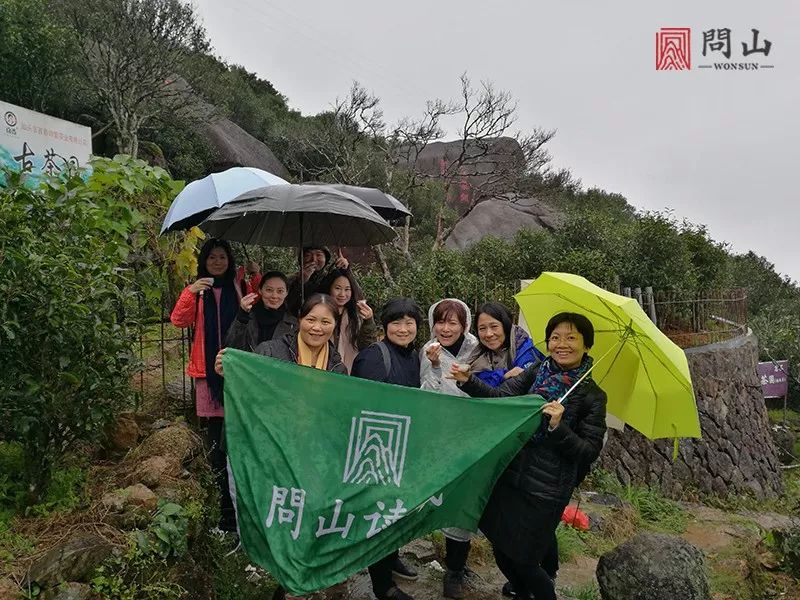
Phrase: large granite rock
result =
(234, 147)
(653, 566)
(503, 218)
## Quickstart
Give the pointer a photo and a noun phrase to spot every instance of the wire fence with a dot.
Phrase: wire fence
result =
(689, 320)
(701, 318)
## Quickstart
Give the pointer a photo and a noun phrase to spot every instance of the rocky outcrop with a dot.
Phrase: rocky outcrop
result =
(653, 566)
(736, 454)
(234, 147)
(503, 218)
(123, 434)
(72, 560)
(176, 443)
(486, 169)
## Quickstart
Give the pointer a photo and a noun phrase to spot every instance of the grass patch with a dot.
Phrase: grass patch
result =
(787, 503)
(570, 543)
(233, 576)
(586, 592)
(13, 546)
(792, 417)
(66, 491)
(656, 511)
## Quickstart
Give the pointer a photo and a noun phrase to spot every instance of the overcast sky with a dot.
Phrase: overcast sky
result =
(719, 148)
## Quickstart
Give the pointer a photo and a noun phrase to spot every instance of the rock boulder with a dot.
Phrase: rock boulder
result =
(653, 566)
(74, 559)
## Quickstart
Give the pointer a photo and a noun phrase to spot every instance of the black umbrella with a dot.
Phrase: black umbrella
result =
(298, 215)
(386, 205)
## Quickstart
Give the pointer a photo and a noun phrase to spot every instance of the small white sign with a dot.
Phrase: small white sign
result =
(36, 143)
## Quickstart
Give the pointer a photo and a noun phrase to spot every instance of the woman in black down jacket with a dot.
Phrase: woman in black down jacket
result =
(527, 503)
(392, 360)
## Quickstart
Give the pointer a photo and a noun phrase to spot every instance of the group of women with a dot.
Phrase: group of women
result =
(335, 330)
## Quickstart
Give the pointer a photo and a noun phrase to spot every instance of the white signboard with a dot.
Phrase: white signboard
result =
(36, 143)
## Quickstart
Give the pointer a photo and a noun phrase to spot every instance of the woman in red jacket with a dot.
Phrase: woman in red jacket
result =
(210, 304)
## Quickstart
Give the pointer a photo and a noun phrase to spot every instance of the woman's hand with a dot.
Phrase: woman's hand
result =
(434, 354)
(341, 262)
(248, 301)
(218, 362)
(513, 372)
(364, 310)
(554, 410)
(459, 372)
(201, 285)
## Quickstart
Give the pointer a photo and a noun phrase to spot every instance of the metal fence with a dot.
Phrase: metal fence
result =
(701, 318)
(163, 352)
(687, 319)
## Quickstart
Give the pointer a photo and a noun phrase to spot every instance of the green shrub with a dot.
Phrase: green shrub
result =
(788, 545)
(65, 355)
(75, 256)
(570, 542)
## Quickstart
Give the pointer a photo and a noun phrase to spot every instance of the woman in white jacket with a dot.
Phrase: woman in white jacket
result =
(451, 342)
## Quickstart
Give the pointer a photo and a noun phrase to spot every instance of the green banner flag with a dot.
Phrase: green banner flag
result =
(333, 473)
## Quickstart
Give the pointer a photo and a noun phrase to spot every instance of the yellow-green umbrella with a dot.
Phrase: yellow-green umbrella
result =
(645, 375)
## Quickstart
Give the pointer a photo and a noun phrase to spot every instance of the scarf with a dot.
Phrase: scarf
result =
(552, 382)
(267, 319)
(305, 356)
(216, 322)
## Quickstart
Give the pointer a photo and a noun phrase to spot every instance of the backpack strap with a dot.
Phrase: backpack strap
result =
(387, 358)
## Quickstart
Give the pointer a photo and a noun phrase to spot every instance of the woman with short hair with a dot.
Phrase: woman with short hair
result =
(451, 343)
(310, 345)
(528, 500)
(393, 360)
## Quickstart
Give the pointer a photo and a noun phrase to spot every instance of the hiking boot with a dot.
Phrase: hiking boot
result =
(508, 590)
(453, 584)
(404, 571)
(396, 593)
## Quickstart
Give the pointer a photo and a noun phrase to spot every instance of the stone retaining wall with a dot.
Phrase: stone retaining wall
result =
(736, 454)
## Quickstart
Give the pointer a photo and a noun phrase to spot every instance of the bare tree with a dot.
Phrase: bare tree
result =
(133, 51)
(487, 115)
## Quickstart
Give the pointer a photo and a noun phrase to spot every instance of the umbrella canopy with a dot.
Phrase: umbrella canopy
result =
(386, 205)
(202, 197)
(298, 215)
(645, 375)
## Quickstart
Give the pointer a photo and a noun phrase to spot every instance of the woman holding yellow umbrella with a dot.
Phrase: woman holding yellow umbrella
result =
(527, 503)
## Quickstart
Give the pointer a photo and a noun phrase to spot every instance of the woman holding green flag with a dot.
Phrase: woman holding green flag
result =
(313, 347)
(527, 503)
(393, 360)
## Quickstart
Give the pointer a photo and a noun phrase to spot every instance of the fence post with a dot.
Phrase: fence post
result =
(638, 293)
(616, 284)
(651, 303)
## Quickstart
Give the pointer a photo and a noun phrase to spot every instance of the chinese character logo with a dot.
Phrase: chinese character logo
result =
(10, 119)
(376, 453)
(673, 49)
